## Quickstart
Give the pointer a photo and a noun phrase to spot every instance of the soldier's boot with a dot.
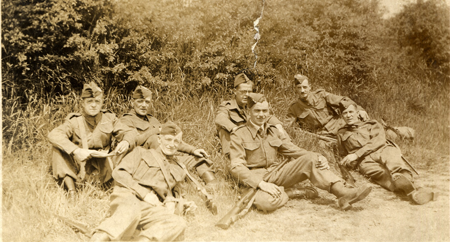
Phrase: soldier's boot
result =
(403, 182)
(210, 180)
(302, 193)
(348, 195)
(100, 236)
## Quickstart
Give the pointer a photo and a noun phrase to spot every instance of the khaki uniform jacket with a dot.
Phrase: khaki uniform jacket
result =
(254, 155)
(67, 137)
(229, 115)
(362, 138)
(140, 172)
(320, 111)
(147, 131)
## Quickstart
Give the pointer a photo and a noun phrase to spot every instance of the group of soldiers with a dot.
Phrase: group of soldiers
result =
(146, 165)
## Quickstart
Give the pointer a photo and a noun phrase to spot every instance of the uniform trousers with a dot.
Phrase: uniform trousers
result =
(292, 172)
(64, 164)
(128, 213)
(381, 164)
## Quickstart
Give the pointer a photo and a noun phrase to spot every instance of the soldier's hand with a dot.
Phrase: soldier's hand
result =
(363, 116)
(81, 155)
(170, 206)
(189, 206)
(347, 161)
(201, 153)
(323, 163)
(152, 199)
(122, 147)
(270, 188)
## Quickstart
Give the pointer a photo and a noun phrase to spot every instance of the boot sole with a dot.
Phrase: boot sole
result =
(423, 197)
(347, 205)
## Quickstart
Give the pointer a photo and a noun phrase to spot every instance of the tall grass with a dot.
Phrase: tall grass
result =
(31, 197)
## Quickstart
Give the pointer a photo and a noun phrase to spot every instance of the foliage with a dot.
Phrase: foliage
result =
(423, 29)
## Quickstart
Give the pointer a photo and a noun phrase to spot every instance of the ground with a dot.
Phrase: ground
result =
(31, 202)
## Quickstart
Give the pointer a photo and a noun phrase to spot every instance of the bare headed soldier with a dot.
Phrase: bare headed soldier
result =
(254, 150)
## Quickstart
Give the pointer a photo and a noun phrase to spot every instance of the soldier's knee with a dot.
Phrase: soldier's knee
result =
(267, 203)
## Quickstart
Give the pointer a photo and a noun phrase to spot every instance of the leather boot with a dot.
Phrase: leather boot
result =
(403, 183)
(422, 195)
(100, 236)
(210, 180)
(349, 195)
(302, 193)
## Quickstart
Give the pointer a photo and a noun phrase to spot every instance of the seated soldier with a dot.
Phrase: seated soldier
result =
(231, 115)
(318, 111)
(254, 149)
(148, 126)
(145, 195)
(77, 141)
(365, 147)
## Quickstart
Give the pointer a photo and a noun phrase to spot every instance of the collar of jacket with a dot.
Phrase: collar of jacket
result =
(254, 128)
(133, 112)
(148, 158)
(354, 126)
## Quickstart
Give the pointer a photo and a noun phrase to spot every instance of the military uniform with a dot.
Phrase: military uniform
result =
(148, 127)
(254, 159)
(137, 175)
(319, 112)
(100, 129)
(230, 115)
(377, 158)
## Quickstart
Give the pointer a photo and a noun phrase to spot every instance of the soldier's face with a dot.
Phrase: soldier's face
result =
(92, 105)
(141, 105)
(242, 92)
(303, 89)
(350, 115)
(169, 143)
(259, 113)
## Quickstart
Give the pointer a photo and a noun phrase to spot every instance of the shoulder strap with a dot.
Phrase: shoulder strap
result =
(83, 132)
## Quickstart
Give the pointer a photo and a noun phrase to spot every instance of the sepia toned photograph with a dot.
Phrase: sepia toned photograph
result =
(225, 120)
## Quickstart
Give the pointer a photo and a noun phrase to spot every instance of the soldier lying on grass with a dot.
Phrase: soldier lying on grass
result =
(231, 114)
(148, 126)
(364, 145)
(254, 149)
(81, 143)
(145, 195)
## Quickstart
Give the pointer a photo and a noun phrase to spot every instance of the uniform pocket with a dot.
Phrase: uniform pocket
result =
(251, 145)
(275, 143)
(106, 128)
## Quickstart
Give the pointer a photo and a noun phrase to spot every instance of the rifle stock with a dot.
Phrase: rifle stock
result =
(346, 175)
(236, 212)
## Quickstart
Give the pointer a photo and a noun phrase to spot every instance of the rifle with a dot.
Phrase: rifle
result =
(238, 211)
(209, 198)
(348, 177)
(403, 157)
(77, 225)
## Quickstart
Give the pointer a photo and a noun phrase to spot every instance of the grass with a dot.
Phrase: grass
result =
(31, 197)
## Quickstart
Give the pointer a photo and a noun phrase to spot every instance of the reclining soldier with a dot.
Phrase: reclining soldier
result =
(254, 163)
(146, 195)
(231, 114)
(364, 145)
(148, 126)
(77, 141)
(318, 111)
